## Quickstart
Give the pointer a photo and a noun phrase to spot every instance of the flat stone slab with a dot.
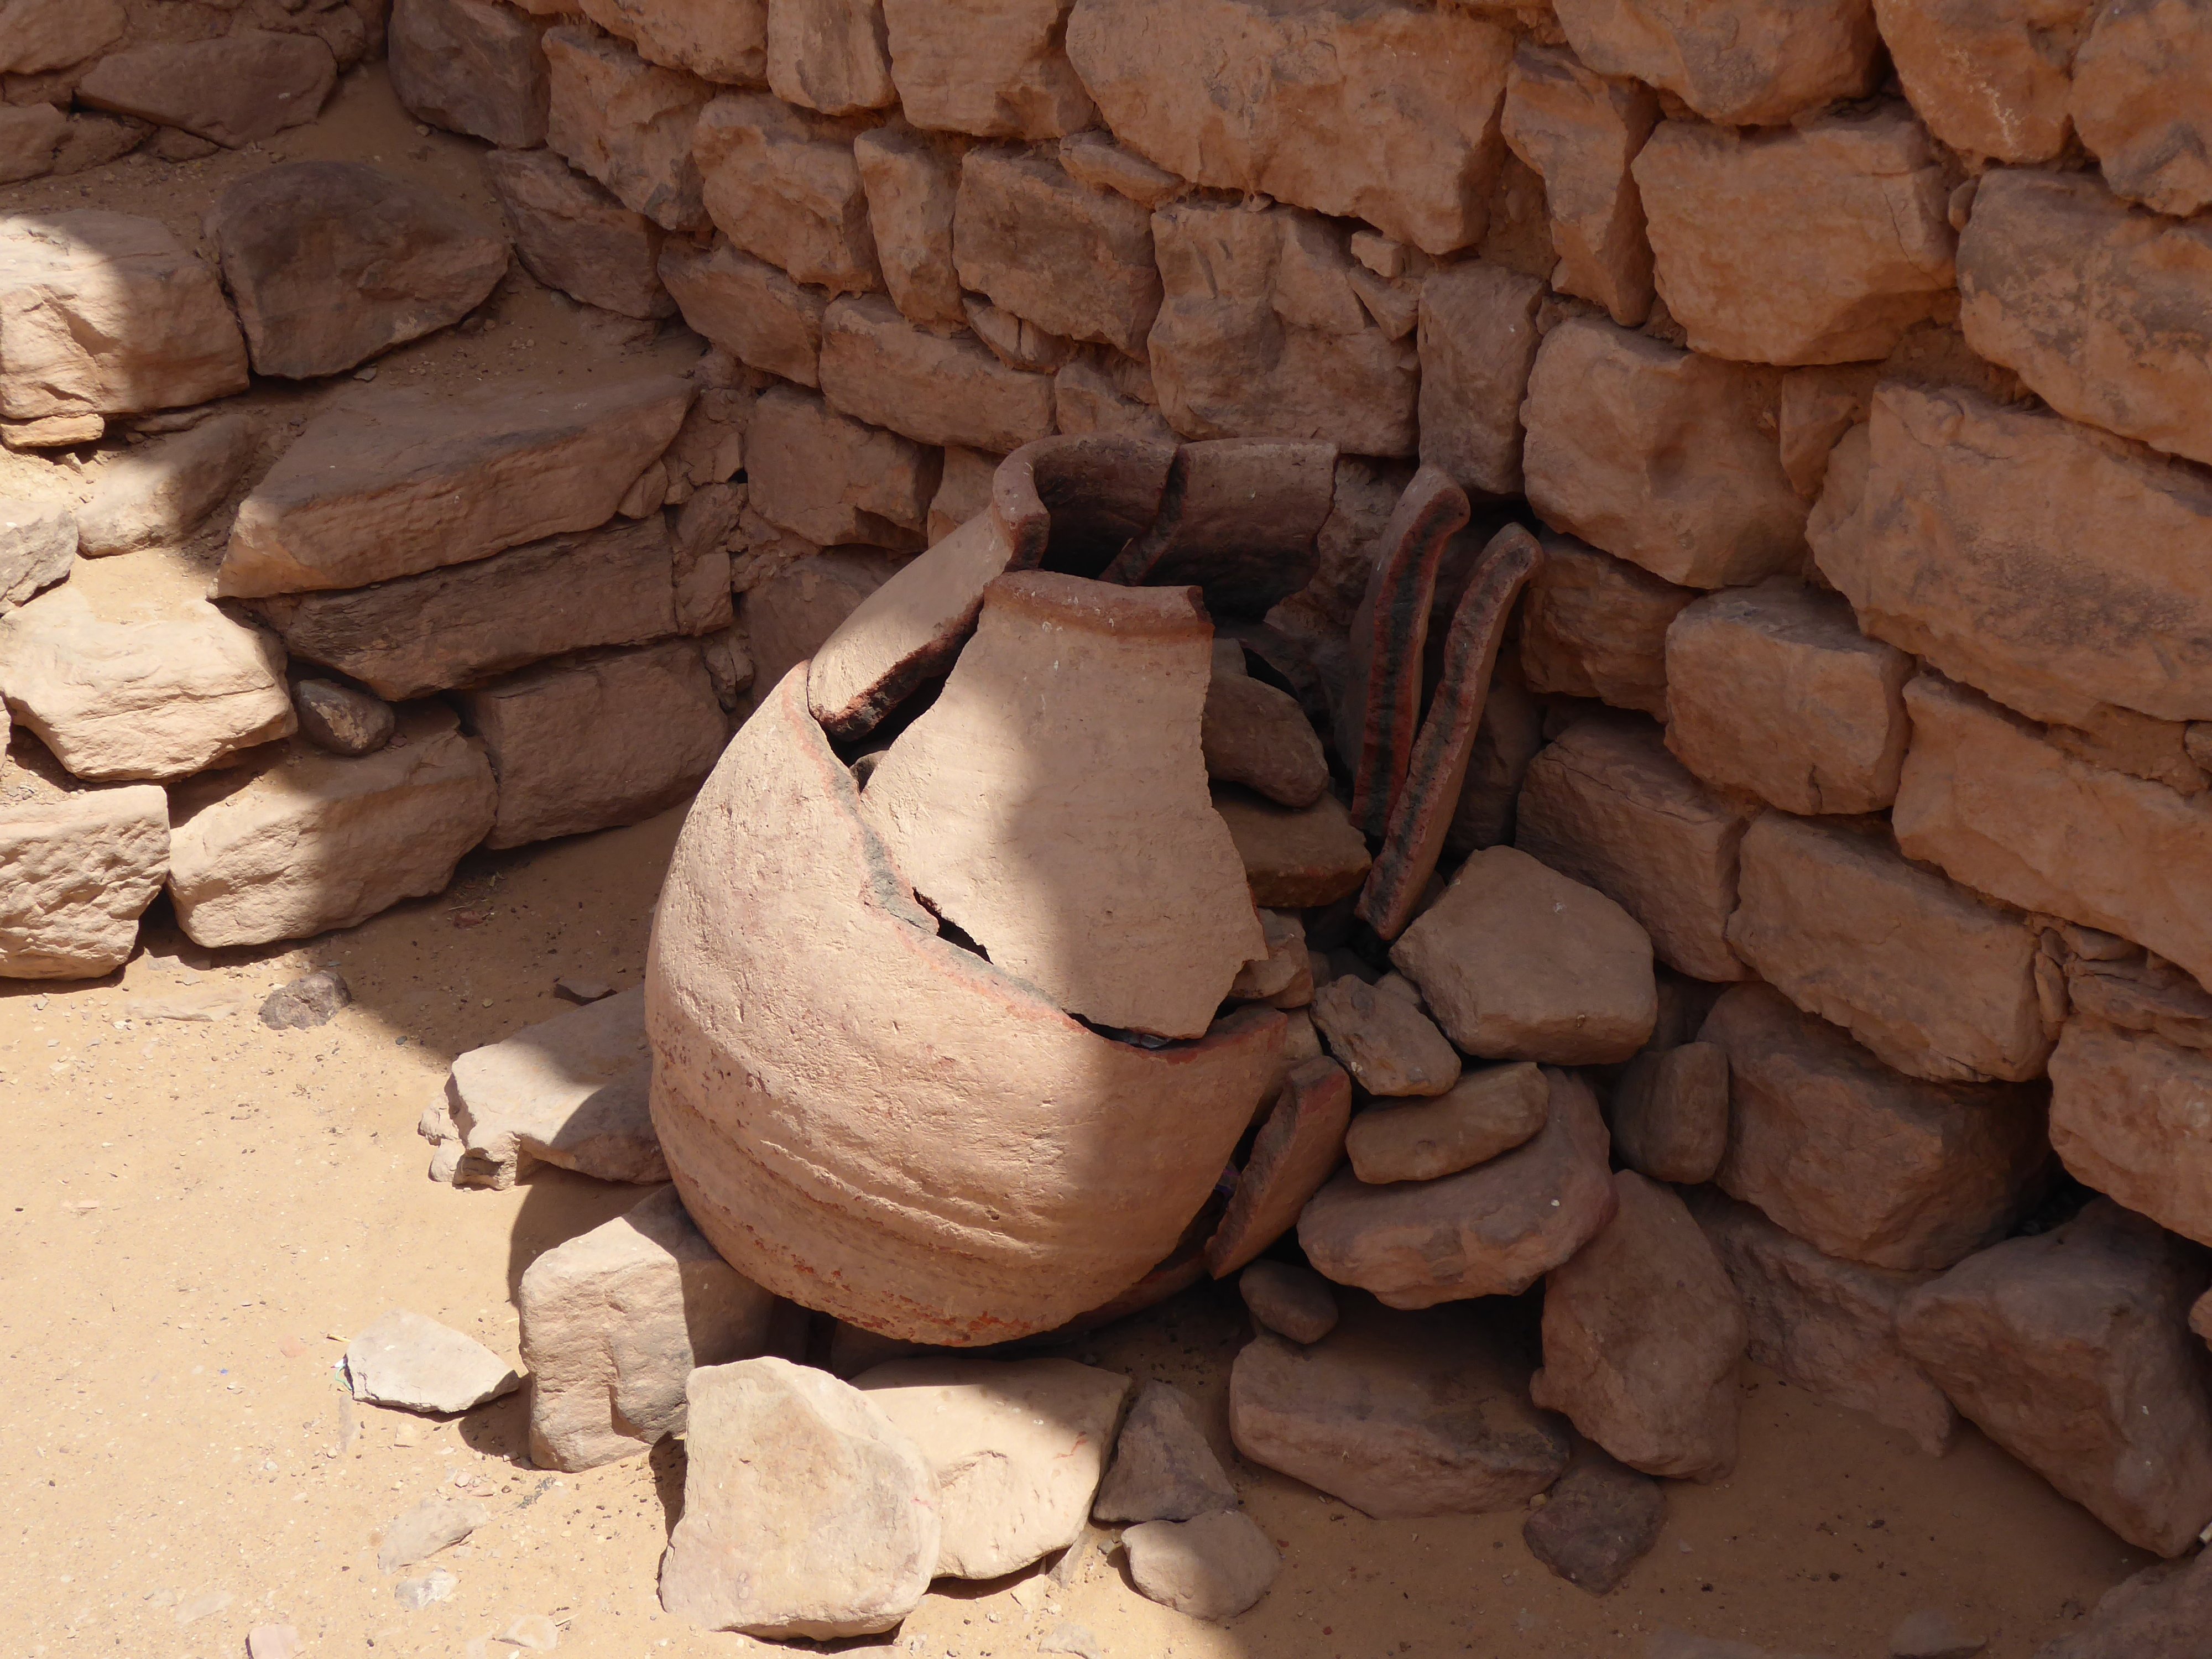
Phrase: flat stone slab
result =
(570, 1091)
(1486, 1113)
(407, 1360)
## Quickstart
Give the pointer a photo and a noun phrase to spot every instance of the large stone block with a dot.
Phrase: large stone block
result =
(627, 123)
(726, 41)
(1988, 76)
(1773, 690)
(1660, 456)
(571, 233)
(302, 841)
(1478, 342)
(593, 743)
(82, 866)
(914, 189)
(1942, 524)
(233, 90)
(1069, 257)
(749, 308)
(834, 479)
(2105, 310)
(1383, 111)
(2143, 101)
(390, 481)
(2003, 810)
(1740, 61)
(107, 314)
(1609, 806)
(830, 55)
(52, 35)
(1859, 1160)
(29, 135)
(1819, 243)
(471, 66)
(1937, 980)
(782, 185)
(2131, 1115)
(934, 388)
(998, 68)
(1596, 626)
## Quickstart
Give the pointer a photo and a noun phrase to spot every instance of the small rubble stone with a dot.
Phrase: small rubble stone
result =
(2069, 1350)
(273, 1642)
(613, 1323)
(1491, 1230)
(158, 494)
(1164, 1468)
(2138, 102)
(305, 1003)
(569, 1091)
(985, 67)
(934, 388)
(1932, 1633)
(1257, 736)
(830, 55)
(2127, 1110)
(470, 66)
(406, 1360)
(1670, 1113)
(833, 479)
(236, 89)
(1643, 1332)
(416, 1594)
(837, 1535)
(1284, 978)
(783, 184)
(37, 547)
(1478, 343)
(1215, 1566)
(82, 866)
(2162, 1610)
(1291, 1300)
(1597, 1522)
(628, 124)
(913, 184)
(432, 1525)
(1017, 1448)
(533, 1631)
(341, 719)
(1297, 1148)
(1400, 1415)
(1596, 626)
(1389, 1045)
(1093, 158)
(1741, 64)
(1487, 1113)
(571, 233)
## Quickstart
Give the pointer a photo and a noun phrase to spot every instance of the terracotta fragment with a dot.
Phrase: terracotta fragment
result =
(1213, 531)
(1257, 736)
(1486, 1113)
(1478, 343)
(913, 186)
(1670, 1113)
(1299, 1145)
(2140, 102)
(1295, 858)
(1742, 64)
(1988, 76)
(627, 123)
(930, 387)
(471, 67)
(2128, 1111)
(790, 616)
(998, 68)
(1596, 626)
(747, 307)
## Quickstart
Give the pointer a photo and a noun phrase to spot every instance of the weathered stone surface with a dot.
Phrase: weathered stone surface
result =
(1935, 980)
(1214, 1567)
(586, 745)
(727, 42)
(1670, 1113)
(2161, 1610)
(569, 1091)
(783, 185)
(126, 700)
(1400, 1415)
(82, 866)
(2141, 81)
(46, 34)
(2069, 1350)
(836, 1535)
(1297, 1148)
(623, 585)
(1605, 406)
(1260, 335)
(1094, 158)
(627, 123)
(38, 545)
(1491, 1230)
(1017, 1448)
(470, 66)
(158, 493)
(1389, 1045)
(1859, 1161)
(302, 841)
(29, 135)
(1642, 1336)
(1773, 691)
(1477, 340)
(572, 235)
(236, 89)
(341, 719)
(1607, 805)
(833, 479)
(933, 388)
(613, 1323)
(1292, 1301)
(1988, 76)
(1387, 113)
(1744, 65)
(1596, 626)
(1599, 1521)
(1521, 963)
(913, 184)
(903, 1218)
(1255, 735)
(407, 1360)
(1936, 525)
(830, 55)
(1819, 243)
(2129, 990)
(2007, 812)
(2103, 309)
(748, 308)
(330, 262)
(1486, 1113)
(1164, 1468)
(1819, 404)
(1580, 130)
(389, 482)
(789, 616)
(1284, 977)
(998, 68)
(107, 314)
(1826, 1325)
(1069, 257)
(2127, 1116)
(419, 1533)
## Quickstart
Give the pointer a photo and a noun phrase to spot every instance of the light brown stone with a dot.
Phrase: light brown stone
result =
(302, 842)
(390, 481)
(1937, 980)
(1010, 804)
(913, 185)
(2105, 310)
(789, 616)
(234, 90)
(570, 234)
(1383, 112)
(726, 42)
(782, 185)
(1214, 1566)
(1580, 130)
(2143, 101)
(1387, 1045)
(1607, 805)
(107, 314)
(1491, 1230)
(2069, 1350)
(1069, 257)
(1478, 343)
(2160, 1609)
(1659, 456)
(1819, 404)
(471, 66)
(569, 1091)
(1827, 1326)
(2129, 1112)
(1295, 1302)
(1284, 977)
(903, 1219)
(1521, 963)
(830, 55)
(52, 35)
(1739, 62)
(1596, 626)
(82, 866)
(1670, 1113)
(1257, 736)
(1294, 857)
(29, 136)
(998, 68)
(159, 492)
(1858, 1161)
(934, 388)
(749, 308)
(1988, 76)
(1298, 1148)
(2005, 811)
(1486, 1113)
(833, 479)
(627, 123)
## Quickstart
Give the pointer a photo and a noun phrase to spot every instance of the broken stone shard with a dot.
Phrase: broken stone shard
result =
(235, 90)
(627, 123)
(432, 1525)
(1738, 64)
(1294, 860)
(1389, 1045)
(2161, 1609)
(2138, 102)
(569, 1091)
(1298, 1147)
(725, 43)
(1596, 626)
(2125, 1111)
(933, 387)
(407, 1360)
(1164, 1468)
(468, 66)
(1989, 79)
(1257, 736)
(159, 493)
(1600, 1520)
(571, 233)
(783, 184)
(998, 68)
